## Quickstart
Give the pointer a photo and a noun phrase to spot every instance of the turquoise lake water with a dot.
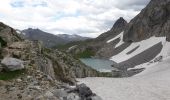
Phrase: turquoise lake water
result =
(101, 65)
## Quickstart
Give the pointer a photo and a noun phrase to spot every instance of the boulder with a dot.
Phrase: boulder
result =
(59, 93)
(73, 96)
(84, 91)
(12, 64)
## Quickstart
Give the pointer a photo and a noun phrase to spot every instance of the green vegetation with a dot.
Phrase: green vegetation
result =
(2, 42)
(11, 74)
(85, 54)
(105, 74)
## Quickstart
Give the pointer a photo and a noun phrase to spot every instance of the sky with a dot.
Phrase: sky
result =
(82, 17)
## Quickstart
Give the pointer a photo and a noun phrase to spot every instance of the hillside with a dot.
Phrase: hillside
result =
(30, 71)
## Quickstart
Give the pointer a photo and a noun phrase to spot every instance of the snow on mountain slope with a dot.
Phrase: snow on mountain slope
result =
(118, 36)
(150, 67)
(153, 85)
(143, 45)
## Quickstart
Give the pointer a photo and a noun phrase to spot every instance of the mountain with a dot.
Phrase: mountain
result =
(98, 46)
(118, 27)
(48, 39)
(154, 20)
(145, 38)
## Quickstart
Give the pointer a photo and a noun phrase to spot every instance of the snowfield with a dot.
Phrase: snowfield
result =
(143, 45)
(118, 36)
(153, 84)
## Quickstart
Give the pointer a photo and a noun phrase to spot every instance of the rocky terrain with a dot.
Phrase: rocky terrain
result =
(31, 72)
(48, 39)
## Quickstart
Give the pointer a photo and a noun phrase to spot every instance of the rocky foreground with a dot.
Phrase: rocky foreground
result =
(35, 85)
(28, 71)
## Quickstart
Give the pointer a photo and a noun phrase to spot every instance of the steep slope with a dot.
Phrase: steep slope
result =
(148, 33)
(98, 46)
(154, 20)
(118, 27)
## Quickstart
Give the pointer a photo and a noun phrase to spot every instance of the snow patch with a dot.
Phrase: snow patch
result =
(144, 45)
(118, 36)
(150, 66)
(19, 32)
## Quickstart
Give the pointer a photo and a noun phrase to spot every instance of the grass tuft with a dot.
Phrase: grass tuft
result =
(10, 75)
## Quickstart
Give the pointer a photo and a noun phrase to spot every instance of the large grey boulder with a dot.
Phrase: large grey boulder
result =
(12, 64)
(84, 91)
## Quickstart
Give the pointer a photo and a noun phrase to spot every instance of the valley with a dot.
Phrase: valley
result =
(129, 61)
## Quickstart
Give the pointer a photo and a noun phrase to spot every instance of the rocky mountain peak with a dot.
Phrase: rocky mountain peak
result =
(121, 22)
(118, 27)
(154, 20)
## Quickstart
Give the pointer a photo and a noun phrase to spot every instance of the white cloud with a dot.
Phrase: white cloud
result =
(84, 17)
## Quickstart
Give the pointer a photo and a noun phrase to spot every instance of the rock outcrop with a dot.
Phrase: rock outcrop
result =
(12, 64)
(154, 20)
(8, 35)
(117, 28)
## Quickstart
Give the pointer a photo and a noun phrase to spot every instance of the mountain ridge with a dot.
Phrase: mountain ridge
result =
(50, 40)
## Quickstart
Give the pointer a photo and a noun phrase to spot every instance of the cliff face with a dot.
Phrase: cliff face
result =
(153, 20)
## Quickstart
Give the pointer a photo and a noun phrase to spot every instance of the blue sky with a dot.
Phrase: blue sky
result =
(82, 17)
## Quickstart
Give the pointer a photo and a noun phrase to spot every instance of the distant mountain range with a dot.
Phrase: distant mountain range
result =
(50, 40)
